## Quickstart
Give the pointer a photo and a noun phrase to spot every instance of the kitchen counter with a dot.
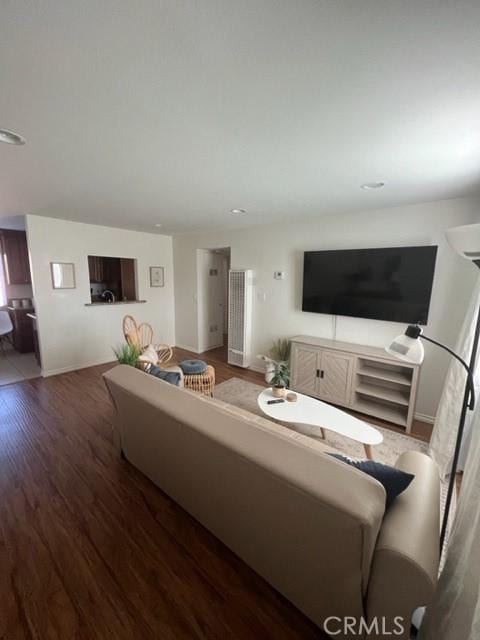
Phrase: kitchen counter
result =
(27, 309)
(112, 304)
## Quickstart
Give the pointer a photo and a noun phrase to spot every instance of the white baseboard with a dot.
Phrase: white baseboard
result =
(257, 368)
(424, 418)
(211, 348)
(55, 372)
(187, 348)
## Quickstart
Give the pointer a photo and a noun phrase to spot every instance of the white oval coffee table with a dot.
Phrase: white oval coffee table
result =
(315, 413)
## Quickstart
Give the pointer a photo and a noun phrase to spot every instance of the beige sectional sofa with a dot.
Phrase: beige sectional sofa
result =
(312, 526)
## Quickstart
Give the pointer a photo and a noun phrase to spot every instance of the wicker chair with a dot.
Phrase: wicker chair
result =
(141, 335)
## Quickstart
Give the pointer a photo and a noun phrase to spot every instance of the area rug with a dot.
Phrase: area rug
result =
(244, 394)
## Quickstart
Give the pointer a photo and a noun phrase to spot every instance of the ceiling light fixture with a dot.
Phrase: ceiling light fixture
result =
(10, 137)
(238, 211)
(372, 185)
(158, 225)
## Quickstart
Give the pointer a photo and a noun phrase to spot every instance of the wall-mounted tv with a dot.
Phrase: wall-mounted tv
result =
(392, 284)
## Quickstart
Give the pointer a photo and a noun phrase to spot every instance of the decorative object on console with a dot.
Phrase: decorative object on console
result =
(157, 278)
(63, 275)
(464, 240)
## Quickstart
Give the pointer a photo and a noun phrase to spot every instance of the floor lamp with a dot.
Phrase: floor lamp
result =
(464, 240)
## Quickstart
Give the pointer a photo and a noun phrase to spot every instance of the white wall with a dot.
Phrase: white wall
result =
(73, 335)
(280, 247)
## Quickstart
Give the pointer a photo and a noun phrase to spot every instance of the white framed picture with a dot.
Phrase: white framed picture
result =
(63, 275)
(157, 278)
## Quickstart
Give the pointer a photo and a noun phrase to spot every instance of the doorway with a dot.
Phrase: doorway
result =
(18, 360)
(212, 300)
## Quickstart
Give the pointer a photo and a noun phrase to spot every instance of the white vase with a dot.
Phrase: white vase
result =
(269, 372)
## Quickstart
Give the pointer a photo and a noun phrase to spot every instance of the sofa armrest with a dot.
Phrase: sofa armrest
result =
(405, 562)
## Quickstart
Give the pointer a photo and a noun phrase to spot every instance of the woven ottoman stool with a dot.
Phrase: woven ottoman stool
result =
(198, 376)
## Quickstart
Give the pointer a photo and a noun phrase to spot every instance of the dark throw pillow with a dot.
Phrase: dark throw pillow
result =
(394, 480)
(173, 377)
(193, 367)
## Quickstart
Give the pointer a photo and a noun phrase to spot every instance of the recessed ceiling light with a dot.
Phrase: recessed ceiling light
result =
(372, 185)
(238, 211)
(10, 137)
(158, 225)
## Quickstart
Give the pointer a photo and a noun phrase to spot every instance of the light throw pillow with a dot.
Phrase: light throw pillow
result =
(394, 480)
(149, 356)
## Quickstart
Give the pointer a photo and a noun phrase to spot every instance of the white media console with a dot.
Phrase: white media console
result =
(362, 378)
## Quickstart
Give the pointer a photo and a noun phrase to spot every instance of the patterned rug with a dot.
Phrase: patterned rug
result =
(243, 394)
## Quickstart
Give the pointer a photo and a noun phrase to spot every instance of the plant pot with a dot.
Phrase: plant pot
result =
(279, 392)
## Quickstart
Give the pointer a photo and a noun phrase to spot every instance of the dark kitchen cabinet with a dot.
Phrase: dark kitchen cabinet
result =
(22, 330)
(15, 255)
(129, 286)
(95, 268)
(116, 275)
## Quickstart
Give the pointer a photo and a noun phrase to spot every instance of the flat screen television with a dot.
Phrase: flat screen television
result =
(392, 284)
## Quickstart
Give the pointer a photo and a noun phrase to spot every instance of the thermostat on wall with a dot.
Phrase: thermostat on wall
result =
(279, 275)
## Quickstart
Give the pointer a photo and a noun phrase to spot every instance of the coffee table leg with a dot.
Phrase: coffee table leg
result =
(369, 451)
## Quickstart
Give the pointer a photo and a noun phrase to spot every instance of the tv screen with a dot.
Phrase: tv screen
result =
(383, 284)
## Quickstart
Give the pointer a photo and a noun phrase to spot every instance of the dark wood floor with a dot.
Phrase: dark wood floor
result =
(89, 548)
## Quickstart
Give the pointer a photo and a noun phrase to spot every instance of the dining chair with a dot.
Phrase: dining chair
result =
(6, 328)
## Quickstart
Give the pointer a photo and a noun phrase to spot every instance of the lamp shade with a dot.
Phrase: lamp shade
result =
(405, 348)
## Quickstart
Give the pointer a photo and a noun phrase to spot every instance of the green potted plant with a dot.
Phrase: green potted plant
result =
(280, 379)
(127, 354)
(277, 365)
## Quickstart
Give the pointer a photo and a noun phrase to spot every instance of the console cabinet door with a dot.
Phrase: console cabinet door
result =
(305, 363)
(336, 373)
